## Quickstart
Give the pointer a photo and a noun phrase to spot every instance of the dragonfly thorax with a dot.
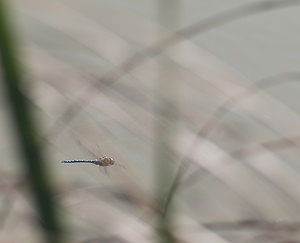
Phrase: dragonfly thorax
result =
(109, 161)
(105, 161)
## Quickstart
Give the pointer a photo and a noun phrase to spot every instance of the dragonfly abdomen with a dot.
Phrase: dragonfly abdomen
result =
(80, 161)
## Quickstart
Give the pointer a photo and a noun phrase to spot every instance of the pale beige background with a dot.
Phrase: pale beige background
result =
(67, 45)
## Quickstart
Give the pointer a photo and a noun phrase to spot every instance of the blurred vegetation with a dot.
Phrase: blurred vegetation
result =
(171, 173)
(26, 128)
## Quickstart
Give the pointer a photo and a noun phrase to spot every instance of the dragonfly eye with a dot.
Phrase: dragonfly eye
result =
(111, 161)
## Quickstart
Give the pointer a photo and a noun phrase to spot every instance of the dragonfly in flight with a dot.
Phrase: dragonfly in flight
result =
(103, 161)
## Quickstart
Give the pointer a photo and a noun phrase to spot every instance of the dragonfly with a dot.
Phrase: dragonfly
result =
(102, 161)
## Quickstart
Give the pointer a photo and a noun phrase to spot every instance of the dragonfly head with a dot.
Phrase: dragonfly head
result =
(111, 161)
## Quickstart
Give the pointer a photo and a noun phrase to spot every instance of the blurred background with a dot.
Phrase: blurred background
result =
(197, 102)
